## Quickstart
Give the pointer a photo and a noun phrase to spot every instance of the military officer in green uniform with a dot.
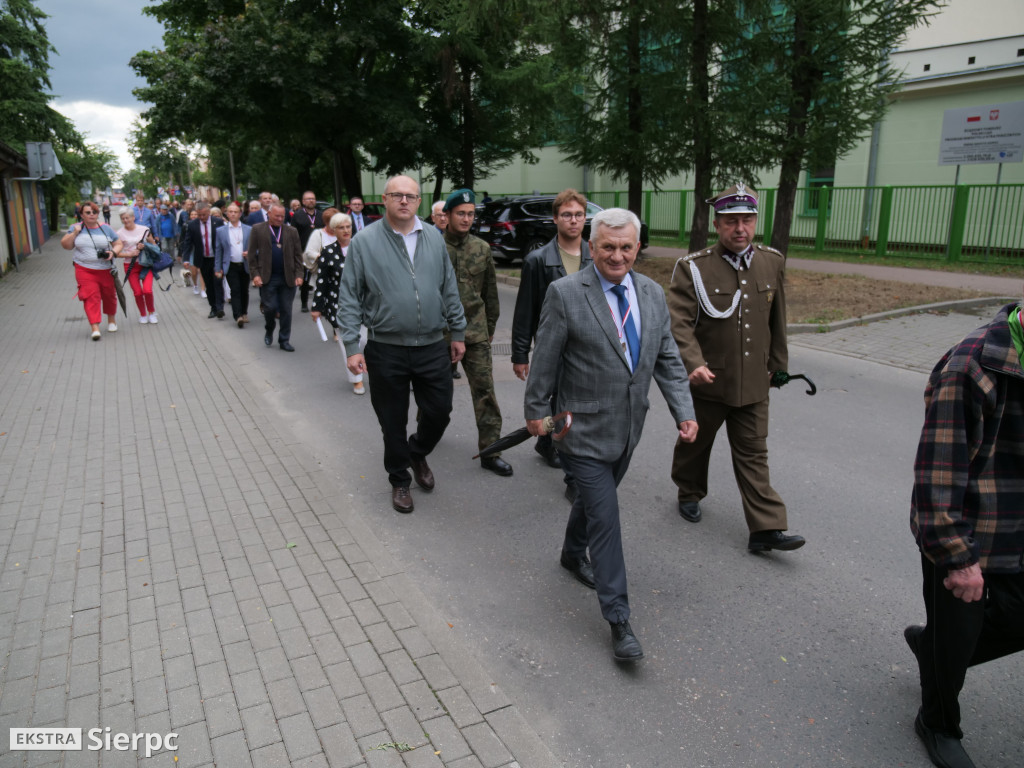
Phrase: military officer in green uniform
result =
(478, 289)
(728, 310)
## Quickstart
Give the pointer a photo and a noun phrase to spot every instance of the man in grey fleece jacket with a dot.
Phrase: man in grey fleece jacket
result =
(399, 283)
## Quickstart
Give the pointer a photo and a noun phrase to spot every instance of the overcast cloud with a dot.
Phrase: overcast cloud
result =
(92, 82)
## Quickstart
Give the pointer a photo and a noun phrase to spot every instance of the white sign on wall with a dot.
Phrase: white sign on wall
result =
(988, 134)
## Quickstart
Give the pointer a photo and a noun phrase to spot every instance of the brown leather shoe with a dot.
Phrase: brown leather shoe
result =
(421, 474)
(401, 499)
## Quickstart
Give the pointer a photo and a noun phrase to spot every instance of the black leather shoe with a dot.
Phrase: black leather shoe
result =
(497, 465)
(240, 322)
(220, 314)
(455, 371)
(579, 567)
(912, 635)
(286, 346)
(401, 499)
(945, 751)
(690, 510)
(213, 314)
(571, 492)
(625, 646)
(763, 541)
(304, 308)
(421, 474)
(549, 454)
(268, 339)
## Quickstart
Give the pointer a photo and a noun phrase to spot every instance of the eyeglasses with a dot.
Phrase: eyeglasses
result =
(400, 197)
(581, 216)
(464, 214)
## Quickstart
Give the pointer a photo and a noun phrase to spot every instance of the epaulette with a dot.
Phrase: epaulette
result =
(691, 256)
(764, 247)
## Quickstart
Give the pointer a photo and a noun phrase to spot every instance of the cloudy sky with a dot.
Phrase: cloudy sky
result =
(92, 82)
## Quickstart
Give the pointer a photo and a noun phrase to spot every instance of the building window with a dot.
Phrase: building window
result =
(970, 59)
(816, 179)
(1020, 52)
(927, 67)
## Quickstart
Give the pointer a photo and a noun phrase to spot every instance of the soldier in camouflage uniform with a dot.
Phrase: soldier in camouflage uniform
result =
(478, 289)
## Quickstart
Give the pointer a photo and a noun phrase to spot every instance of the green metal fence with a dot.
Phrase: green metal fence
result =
(975, 222)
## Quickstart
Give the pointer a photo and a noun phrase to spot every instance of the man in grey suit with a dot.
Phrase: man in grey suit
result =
(604, 332)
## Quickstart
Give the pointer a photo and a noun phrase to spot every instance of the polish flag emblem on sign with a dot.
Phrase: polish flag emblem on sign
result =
(974, 119)
(993, 115)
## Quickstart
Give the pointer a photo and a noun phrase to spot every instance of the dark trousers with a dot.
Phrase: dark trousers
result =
(304, 289)
(277, 299)
(238, 281)
(214, 287)
(391, 370)
(959, 635)
(594, 522)
(747, 428)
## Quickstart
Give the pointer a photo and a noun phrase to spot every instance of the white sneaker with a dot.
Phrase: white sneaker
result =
(203, 294)
(153, 318)
(95, 335)
(143, 319)
(112, 328)
(195, 289)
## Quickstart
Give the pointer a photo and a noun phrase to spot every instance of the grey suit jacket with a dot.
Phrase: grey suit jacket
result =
(222, 249)
(578, 353)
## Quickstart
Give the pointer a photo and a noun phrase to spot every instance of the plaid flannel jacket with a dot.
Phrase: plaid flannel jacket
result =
(968, 500)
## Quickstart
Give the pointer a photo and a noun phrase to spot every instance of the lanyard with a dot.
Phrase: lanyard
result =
(277, 235)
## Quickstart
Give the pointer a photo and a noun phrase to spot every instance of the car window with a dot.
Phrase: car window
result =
(593, 208)
(503, 216)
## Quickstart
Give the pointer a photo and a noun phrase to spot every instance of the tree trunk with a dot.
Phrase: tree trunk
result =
(805, 80)
(700, 55)
(468, 126)
(351, 179)
(438, 184)
(339, 186)
(634, 108)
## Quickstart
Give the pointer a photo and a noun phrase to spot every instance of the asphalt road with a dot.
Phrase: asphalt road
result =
(782, 660)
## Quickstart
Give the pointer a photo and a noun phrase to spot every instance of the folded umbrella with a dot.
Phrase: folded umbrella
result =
(780, 378)
(119, 289)
(522, 434)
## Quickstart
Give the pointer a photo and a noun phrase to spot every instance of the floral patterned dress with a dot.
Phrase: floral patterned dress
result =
(328, 281)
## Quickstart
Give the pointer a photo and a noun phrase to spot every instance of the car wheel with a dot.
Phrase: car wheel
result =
(534, 244)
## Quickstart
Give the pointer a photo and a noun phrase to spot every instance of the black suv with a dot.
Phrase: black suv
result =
(514, 226)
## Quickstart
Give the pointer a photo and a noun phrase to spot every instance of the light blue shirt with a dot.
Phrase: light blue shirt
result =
(613, 305)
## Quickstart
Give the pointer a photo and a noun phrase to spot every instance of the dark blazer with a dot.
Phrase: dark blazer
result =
(256, 217)
(193, 239)
(300, 220)
(578, 354)
(222, 253)
(540, 269)
(261, 258)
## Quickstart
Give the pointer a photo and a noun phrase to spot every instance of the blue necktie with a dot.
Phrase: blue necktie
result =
(628, 327)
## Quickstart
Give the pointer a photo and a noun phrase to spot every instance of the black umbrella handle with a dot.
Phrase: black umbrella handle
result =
(810, 384)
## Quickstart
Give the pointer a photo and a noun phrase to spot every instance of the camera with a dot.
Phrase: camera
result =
(104, 254)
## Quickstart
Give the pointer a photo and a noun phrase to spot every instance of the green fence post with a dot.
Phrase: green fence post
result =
(767, 213)
(648, 196)
(958, 224)
(819, 237)
(884, 221)
(682, 214)
(617, 193)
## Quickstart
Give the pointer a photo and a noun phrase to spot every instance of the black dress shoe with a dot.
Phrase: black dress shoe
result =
(690, 510)
(945, 751)
(268, 339)
(421, 474)
(286, 346)
(497, 465)
(220, 314)
(304, 308)
(213, 314)
(912, 635)
(456, 374)
(549, 454)
(571, 492)
(625, 646)
(763, 541)
(401, 499)
(240, 322)
(579, 567)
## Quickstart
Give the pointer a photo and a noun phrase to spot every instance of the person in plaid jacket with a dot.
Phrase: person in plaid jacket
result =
(967, 515)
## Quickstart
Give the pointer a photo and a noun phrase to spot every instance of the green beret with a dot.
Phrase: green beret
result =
(459, 197)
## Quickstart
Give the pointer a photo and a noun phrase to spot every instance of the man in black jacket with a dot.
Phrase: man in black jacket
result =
(200, 241)
(565, 254)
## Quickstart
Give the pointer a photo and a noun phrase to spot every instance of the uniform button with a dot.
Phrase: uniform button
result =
(747, 325)
(748, 341)
(716, 290)
(743, 282)
(767, 286)
(745, 296)
(746, 354)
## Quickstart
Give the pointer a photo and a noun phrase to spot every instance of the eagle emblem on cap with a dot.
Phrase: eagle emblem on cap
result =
(741, 188)
(465, 197)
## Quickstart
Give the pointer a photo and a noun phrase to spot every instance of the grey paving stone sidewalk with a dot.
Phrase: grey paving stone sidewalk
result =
(170, 565)
(914, 341)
